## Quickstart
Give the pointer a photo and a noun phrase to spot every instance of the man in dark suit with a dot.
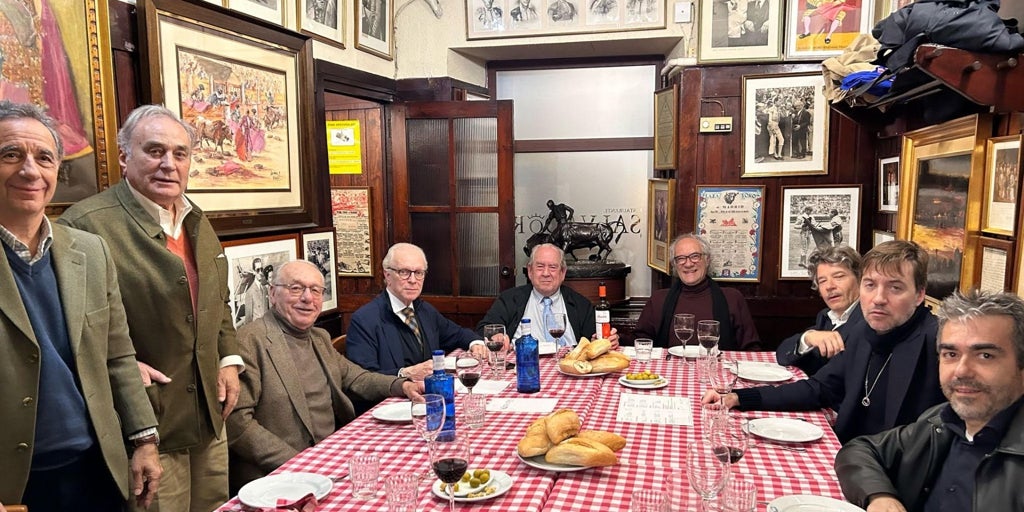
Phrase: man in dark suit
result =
(801, 129)
(887, 379)
(72, 396)
(755, 28)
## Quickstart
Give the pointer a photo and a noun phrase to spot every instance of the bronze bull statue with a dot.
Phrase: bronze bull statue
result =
(571, 236)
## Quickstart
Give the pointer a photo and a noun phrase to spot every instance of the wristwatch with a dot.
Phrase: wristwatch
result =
(401, 373)
(150, 439)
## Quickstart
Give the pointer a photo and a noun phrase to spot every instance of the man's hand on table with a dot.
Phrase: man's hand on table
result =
(412, 389)
(480, 351)
(712, 397)
(885, 503)
(829, 343)
(420, 371)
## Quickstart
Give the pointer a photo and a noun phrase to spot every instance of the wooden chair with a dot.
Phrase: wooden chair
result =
(339, 343)
(14, 508)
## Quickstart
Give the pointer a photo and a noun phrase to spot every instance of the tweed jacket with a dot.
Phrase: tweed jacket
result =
(271, 422)
(185, 345)
(104, 360)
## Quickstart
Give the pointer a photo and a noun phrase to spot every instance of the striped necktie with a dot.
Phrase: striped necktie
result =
(410, 320)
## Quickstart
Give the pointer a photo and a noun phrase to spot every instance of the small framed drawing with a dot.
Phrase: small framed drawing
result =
(737, 31)
(353, 226)
(375, 26)
(994, 271)
(801, 150)
(318, 248)
(815, 218)
(818, 29)
(731, 220)
(262, 9)
(660, 223)
(665, 127)
(889, 184)
(251, 266)
(1002, 176)
(880, 237)
(322, 19)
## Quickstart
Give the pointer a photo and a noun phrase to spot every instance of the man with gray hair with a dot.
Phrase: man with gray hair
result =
(173, 277)
(967, 454)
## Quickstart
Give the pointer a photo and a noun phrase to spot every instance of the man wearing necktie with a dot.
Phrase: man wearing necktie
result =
(756, 27)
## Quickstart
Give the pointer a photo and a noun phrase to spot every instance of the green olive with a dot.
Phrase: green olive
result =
(474, 482)
(466, 477)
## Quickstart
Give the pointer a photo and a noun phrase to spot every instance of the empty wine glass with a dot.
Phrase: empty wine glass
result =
(467, 368)
(449, 457)
(707, 472)
(723, 374)
(495, 339)
(428, 415)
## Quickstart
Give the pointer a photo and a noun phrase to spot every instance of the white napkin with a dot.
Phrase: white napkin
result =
(483, 387)
(656, 352)
(534, 405)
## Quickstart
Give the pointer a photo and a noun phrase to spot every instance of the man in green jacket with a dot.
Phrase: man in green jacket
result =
(173, 279)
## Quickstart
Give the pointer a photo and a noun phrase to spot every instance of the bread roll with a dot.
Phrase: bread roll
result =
(609, 439)
(581, 452)
(538, 427)
(562, 424)
(598, 347)
(575, 367)
(610, 362)
(578, 352)
(532, 446)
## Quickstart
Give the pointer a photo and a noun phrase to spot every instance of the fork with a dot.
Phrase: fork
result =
(800, 449)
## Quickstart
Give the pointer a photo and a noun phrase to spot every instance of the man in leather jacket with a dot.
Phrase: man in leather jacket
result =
(967, 454)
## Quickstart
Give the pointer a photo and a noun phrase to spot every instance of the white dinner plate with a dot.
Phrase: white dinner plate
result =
(688, 351)
(786, 430)
(265, 492)
(500, 479)
(658, 383)
(400, 412)
(809, 503)
(593, 374)
(762, 372)
(539, 463)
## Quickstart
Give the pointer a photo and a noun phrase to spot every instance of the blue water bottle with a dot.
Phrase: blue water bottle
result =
(527, 360)
(441, 383)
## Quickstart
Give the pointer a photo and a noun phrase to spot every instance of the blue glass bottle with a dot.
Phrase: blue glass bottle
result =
(527, 360)
(441, 383)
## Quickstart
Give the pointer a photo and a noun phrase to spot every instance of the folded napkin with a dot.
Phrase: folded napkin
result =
(306, 503)
(533, 405)
(656, 352)
(484, 387)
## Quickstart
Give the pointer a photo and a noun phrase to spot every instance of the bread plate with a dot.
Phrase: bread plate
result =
(658, 383)
(539, 463)
(593, 374)
(500, 479)
(400, 412)
(688, 351)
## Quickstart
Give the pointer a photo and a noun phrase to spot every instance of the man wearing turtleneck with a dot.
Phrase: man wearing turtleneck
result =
(694, 292)
(296, 387)
(887, 381)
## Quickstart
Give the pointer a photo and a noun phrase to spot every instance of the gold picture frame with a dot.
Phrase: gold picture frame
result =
(375, 27)
(994, 271)
(660, 223)
(1002, 185)
(665, 127)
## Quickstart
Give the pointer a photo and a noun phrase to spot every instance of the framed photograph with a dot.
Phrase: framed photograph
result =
(818, 29)
(375, 27)
(740, 30)
(1002, 175)
(251, 266)
(665, 127)
(942, 172)
(883, 8)
(267, 10)
(994, 272)
(889, 184)
(318, 248)
(322, 19)
(815, 218)
(489, 19)
(784, 125)
(879, 237)
(350, 212)
(731, 219)
(252, 169)
(660, 223)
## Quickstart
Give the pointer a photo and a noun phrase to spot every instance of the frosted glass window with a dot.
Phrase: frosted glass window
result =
(478, 256)
(427, 154)
(432, 232)
(476, 161)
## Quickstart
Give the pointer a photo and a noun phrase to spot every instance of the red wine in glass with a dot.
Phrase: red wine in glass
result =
(556, 333)
(494, 345)
(469, 379)
(707, 342)
(450, 470)
(733, 455)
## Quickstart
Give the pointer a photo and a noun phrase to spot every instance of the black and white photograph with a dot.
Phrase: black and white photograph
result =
(1002, 174)
(492, 19)
(318, 249)
(889, 184)
(740, 30)
(816, 218)
(374, 27)
(785, 125)
(251, 267)
(322, 19)
(269, 10)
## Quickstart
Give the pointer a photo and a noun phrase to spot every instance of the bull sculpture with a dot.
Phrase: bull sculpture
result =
(570, 236)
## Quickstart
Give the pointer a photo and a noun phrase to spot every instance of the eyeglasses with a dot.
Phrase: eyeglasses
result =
(296, 290)
(405, 273)
(693, 258)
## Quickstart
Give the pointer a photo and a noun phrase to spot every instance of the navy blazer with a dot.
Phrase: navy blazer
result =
(812, 361)
(375, 334)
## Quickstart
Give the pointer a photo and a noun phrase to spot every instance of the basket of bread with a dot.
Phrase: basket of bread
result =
(593, 358)
(556, 439)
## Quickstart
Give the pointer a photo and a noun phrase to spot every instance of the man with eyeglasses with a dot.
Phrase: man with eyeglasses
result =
(397, 331)
(296, 389)
(695, 293)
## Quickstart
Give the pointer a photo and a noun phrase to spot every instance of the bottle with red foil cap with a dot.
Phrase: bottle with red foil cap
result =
(603, 314)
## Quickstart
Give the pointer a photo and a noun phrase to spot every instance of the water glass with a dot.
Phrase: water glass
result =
(648, 500)
(474, 410)
(739, 495)
(401, 491)
(363, 471)
(705, 364)
(428, 414)
(643, 347)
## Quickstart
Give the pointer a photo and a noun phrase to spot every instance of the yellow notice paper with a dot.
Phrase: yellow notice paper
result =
(344, 147)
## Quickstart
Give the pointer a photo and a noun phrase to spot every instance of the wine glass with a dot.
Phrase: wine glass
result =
(707, 335)
(494, 340)
(449, 456)
(730, 437)
(428, 415)
(467, 368)
(555, 325)
(723, 375)
(682, 326)
(707, 472)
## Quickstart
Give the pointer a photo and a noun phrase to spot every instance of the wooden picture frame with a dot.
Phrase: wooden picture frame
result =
(262, 10)
(318, 247)
(731, 220)
(740, 31)
(660, 223)
(766, 99)
(324, 20)
(252, 263)
(665, 127)
(879, 237)
(1002, 185)
(889, 184)
(492, 19)
(811, 219)
(258, 178)
(375, 27)
(823, 29)
(994, 270)
(942, 171)
(352, 219)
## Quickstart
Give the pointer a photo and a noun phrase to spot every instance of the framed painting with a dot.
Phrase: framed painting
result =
(73, 79)
(267, 10)
(375, 27)
(660, 223)
(251, 266)
(489, 19)
(889, 184)
(818, 29)
(771, 102)
(1002, 177)
(322, 19)
(353, 225)
(942, 173)
(318, 248)
(880, 237)
(252, 169)
(740, 30)
(994, 272)
(815, 218)
(665, 127)
(731, 219)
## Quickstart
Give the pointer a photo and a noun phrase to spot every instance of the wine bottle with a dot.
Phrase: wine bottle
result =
(603, 314)
(442, 383)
